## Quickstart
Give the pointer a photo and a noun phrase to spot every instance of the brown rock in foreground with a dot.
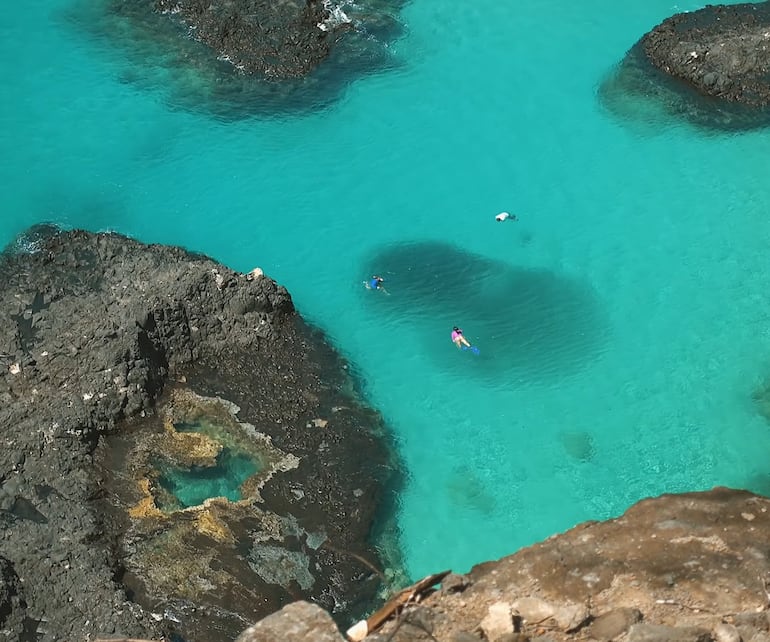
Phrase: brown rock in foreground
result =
(679, 567)
(299, 621)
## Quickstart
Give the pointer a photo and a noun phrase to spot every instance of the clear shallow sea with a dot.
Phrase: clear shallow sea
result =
(622, 322)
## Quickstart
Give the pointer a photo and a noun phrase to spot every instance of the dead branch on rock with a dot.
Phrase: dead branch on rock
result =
(125, 640)
(394, 605)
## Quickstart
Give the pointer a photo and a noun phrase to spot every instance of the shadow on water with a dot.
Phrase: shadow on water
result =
(531, 325)
(156, 53)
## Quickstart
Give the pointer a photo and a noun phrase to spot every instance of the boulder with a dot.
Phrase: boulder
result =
(296, 622)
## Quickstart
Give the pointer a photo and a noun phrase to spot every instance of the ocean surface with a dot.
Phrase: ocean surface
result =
(623, 321)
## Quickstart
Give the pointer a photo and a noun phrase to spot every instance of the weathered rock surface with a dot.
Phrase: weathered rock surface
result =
(298, 622)
(277, 39)
(707, 67)
(11, 602)
(721, 50)
(691, 567)
(93, 327)
(235, 59)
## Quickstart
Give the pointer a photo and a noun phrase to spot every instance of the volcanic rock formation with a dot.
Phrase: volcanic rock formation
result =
(96, 330)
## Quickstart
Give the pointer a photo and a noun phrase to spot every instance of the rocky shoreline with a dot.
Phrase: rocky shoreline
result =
(120, 359)
(693, 567)
(97, 330)
(709, 67)
(721, 50)
(242, 58)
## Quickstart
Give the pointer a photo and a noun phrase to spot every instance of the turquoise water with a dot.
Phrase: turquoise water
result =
(192, 486)
(622, 322)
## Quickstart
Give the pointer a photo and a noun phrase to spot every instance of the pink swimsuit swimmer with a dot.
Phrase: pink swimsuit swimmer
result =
(456, 335)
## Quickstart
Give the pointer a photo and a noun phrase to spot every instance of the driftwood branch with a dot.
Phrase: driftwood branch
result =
(123, 640)
(394, 606)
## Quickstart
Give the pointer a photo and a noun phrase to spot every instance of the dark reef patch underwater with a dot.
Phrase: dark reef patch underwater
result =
(531, 325)
(157, 50)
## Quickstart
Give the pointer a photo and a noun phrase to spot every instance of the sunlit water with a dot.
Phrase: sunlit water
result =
(622, 322)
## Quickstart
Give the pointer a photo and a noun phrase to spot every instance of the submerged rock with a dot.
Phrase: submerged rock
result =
(239, 58)
(102, 328)
(544, 324)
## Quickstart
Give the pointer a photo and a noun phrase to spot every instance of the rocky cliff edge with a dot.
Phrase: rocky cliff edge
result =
(687, 568)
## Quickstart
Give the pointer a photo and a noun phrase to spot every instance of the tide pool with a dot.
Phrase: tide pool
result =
(622, 321)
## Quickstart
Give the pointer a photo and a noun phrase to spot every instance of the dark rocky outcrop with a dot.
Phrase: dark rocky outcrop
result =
(239, 58)
(709, 67)
(277, 39)
(691, 567)
(12, 616)
(721, 50)
(94, 329)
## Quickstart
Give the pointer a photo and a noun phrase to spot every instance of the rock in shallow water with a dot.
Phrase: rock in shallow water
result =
(710, 67)
(723, 51)
(240, 58)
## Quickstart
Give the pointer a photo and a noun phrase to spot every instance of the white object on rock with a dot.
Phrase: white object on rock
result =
(498, 624)
(255, 274)
(358, 631)
(14, 368)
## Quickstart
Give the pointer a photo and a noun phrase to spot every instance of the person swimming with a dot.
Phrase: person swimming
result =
(375, 283)
(458, 339)
(505, 216)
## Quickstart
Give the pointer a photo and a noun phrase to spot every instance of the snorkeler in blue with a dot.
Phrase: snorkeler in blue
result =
(375, 283)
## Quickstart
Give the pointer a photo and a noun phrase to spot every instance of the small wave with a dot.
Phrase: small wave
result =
(32, 240)
(336, 17)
